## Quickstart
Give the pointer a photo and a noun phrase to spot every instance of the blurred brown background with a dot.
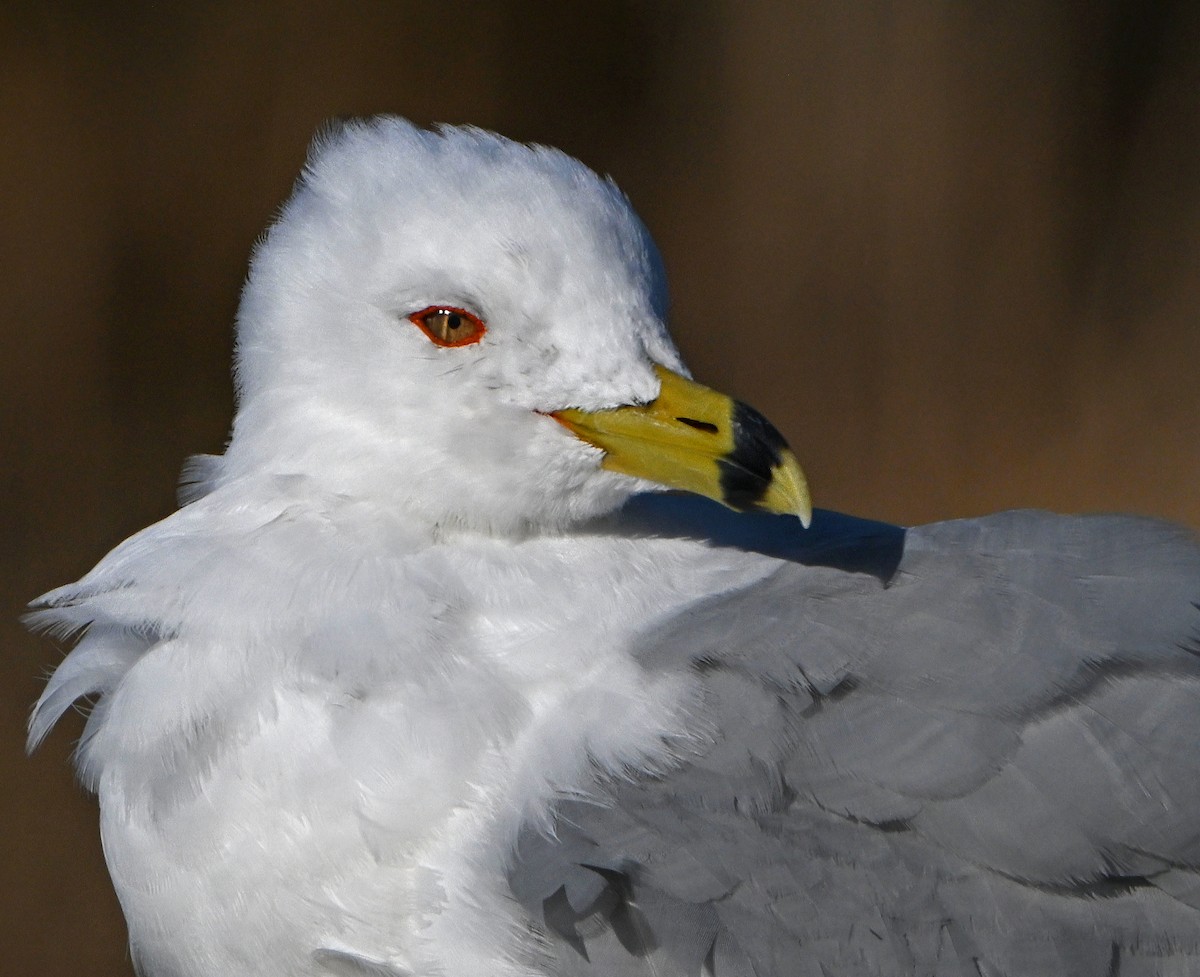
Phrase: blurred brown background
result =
(952, 249)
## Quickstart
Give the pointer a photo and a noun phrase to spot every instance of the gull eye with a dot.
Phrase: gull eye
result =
(448, 326)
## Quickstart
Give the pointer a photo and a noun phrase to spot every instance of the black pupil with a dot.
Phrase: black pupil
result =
(453, 321)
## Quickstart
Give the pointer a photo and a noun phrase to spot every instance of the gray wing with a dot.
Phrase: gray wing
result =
(988, 765)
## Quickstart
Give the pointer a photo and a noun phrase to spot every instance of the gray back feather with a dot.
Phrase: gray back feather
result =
(987, 765)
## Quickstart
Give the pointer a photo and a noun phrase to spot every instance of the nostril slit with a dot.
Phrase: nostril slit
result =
(698, 425)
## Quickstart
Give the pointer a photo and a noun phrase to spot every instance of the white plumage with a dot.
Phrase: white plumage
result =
(401, 692)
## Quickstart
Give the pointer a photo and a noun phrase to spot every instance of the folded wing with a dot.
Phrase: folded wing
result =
(988, 764)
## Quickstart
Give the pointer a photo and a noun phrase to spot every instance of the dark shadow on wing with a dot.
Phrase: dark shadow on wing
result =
(833, 540)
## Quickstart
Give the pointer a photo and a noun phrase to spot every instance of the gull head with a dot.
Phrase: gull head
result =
(472, 332)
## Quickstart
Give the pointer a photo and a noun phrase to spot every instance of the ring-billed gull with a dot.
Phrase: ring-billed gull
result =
(428, 677)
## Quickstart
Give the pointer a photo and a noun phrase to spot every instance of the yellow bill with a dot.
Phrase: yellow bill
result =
(693, 438)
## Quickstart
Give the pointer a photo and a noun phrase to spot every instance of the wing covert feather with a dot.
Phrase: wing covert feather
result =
(987, 764)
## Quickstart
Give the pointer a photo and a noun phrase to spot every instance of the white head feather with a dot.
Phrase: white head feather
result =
(336, 384)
